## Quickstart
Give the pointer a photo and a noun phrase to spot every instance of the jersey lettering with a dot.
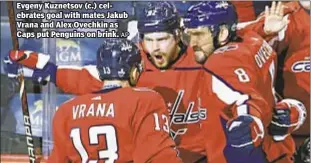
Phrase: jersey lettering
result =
(263, 54)
(301, 66)
(187, 117)
(109, 154)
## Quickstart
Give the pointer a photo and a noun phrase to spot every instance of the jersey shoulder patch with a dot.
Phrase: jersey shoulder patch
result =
(230, 47)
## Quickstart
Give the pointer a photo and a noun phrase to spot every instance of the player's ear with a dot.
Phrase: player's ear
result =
(134, 76)
(142, 46)
(223, 36)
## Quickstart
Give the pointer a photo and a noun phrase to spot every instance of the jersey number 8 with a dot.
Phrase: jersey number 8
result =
(242, 75)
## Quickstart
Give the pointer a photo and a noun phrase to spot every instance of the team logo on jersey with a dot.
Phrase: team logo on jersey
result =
(226, 48)
(180, 114)
(301, 66)
(187, 117)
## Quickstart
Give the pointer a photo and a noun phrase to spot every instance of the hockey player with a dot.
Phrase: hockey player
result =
(248, 64)
(288, 32)
(101, 126)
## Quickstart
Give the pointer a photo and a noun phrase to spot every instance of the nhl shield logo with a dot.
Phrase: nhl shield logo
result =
(121, 73)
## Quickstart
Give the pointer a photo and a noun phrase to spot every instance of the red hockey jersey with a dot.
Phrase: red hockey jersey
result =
(113, 125)
(293, 43)
(193, 95)
(178, 85)
(250, 67)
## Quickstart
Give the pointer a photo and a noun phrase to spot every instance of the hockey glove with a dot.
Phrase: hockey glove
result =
(35, 66)
(29, 59)
(245, 131)
(289, 115)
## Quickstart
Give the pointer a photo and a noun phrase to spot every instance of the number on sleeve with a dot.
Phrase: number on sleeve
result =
(242, 75)
(110, 154)
(157, 122)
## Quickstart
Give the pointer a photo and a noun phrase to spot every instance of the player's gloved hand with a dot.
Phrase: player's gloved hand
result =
(29, 59)
(35, 66)
(274, 18)
(245, 131)
(289, 115)
(11, 68)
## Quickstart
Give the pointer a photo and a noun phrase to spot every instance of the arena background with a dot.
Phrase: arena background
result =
(43, 100)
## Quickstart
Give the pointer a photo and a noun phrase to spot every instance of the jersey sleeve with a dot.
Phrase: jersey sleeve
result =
(245, 10)
(229, 100)
(240, 79)
(58, 153)
(151, 132)
(78, 80)
(224, 102)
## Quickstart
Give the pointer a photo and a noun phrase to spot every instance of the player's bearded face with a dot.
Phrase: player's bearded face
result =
(162, 47)
(201, 40)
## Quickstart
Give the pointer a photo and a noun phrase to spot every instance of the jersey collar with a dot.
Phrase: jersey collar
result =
(108, 88)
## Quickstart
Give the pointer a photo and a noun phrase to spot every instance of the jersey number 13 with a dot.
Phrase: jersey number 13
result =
(109, 155)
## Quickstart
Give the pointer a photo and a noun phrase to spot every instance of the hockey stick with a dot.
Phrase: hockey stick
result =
(22, 92)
